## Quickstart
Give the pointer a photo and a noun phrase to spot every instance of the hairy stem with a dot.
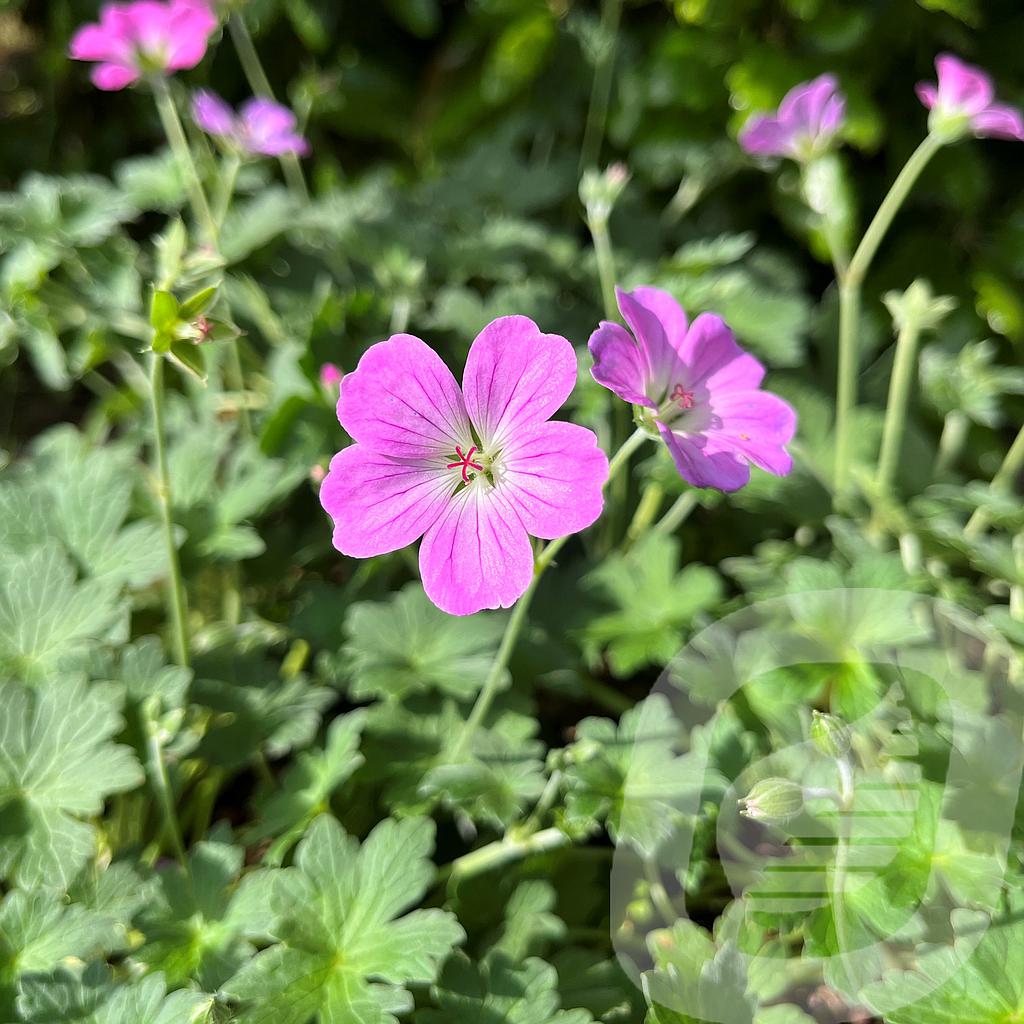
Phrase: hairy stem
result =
(677, 514)
(176, 596)
(1001, 483)
(157, 772)
(505, 851)
(849, 302)
(516, 621)
(183, 155)
(600, 93)
(249, 58)
(898, 401)
(951, 443)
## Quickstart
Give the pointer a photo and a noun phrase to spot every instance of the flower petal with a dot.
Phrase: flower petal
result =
(111, 77)
(619, 365)
(269, 128)
(381, 504)
(721, 470)
(477, 555)
(515, 377)
(927, 93)
(403, 401)
(755, 424)
(764, 135)
(189, 27)
(662, 361)
(962, 87)
(93, 42)
(670, 314)
(212, 114)
(803, 107)
(999, 121)
(553, 475)
(715, 361)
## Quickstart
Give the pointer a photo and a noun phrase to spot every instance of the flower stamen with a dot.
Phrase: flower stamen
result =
(465, 463)
(682, 396)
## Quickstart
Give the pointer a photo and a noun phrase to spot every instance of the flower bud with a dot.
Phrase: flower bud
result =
(600, 190)
(830, 735)
(773, 800)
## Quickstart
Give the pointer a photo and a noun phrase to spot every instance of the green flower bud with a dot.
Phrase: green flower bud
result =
(773, 800)
(831, 735)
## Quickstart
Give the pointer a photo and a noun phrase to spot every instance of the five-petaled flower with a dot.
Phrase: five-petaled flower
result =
(963, 102)
(808, 118)
(475, 471)
(261, 127)
(146, 37)
(697, 387)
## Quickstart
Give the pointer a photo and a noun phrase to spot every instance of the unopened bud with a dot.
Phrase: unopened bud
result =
(831, 735)
(773, 800)
(600, 190)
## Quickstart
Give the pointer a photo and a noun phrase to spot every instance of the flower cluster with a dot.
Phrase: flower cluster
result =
(260, 128)
(132, 40)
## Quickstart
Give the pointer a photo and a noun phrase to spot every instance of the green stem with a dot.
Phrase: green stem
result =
(898, 401)
(1001, 483)
(677, 514)
(849, 302)
(158, 779)
(512, 848)
(600, 93)
(229, 177)
(176, 598)
(846, 795)
(605, 265)
(489, 689)
(260, 85)
(951, 443)
(646, 510)
(278, 850)
(182, 154)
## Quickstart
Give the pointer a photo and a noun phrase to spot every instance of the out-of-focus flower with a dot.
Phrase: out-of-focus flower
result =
(330, 375)
(261, 127)
(963, 103)
(476, 471)
(803, 127)
(148, 36)
(701, 390)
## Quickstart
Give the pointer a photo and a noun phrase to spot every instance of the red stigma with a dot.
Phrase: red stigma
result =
(465, 463)
(682, 396)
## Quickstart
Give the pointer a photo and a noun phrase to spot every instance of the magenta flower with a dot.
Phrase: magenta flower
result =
(134, 39)
(963, 102)
(261, 127)
(808, 118)
(476, 471)
(701, 389)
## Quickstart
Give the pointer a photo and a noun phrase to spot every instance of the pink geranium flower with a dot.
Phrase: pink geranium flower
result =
(476, 471)
(261, 127)
(808, 118)
(135, 39)
(701, 390)
(963, 101)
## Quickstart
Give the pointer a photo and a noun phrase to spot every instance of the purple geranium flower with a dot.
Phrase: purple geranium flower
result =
(702, 390)
(261, 127)
(963, 102)
(134, 39)
(476, 471)
(808, 117)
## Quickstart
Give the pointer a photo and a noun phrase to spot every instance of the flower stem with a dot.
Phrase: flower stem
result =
(182, 154)
(951, 443)
(497, 854)
(489, 689)
(600, 93)
(229, 176)
(1001, 482)
(896, 406)
(849, 302)
(677, 514)
(157, 771)
(176, 596)
(605, 265)
(260, 85)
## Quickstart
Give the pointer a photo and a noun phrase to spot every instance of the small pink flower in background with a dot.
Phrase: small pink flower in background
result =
(808, 118)
(330, 375)
(134, 39)
(702, 389)
(963, 102)
(475, 471)
(261, 127)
